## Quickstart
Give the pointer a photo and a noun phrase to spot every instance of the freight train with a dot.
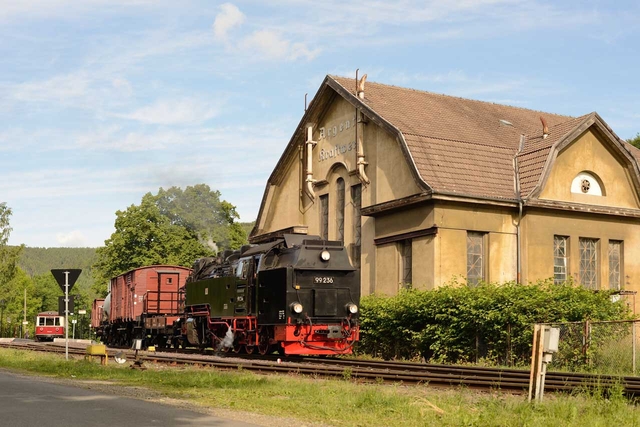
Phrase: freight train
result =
(298, 294)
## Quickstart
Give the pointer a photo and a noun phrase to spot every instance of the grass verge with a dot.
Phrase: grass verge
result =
(338, 402)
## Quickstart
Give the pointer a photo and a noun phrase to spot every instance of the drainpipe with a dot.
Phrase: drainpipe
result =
(361, 163)
(520, 202)
(310, 144)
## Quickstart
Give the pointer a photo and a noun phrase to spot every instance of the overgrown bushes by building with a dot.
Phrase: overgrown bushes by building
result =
(491, 322)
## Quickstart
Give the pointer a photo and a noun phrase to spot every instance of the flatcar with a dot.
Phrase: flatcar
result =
(295, 295)
(49, 325)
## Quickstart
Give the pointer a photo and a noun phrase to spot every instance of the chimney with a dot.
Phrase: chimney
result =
(360, 86)
(545, 128)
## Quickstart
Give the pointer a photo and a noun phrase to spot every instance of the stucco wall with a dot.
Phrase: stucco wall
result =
(589, 154)
(539, 228)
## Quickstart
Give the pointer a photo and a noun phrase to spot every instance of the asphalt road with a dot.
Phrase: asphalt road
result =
(27, 401)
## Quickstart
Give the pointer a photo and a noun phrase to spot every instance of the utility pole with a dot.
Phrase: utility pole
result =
(24, 315)
(66, 279)
(3, 303)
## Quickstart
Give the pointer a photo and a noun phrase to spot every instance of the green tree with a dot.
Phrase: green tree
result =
(48, 291)
(144, 236)
(12, 292)
(9, 255)
(200, 210)
(635, 141)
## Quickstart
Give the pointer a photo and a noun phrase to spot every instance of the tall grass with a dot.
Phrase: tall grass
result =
(340, 402)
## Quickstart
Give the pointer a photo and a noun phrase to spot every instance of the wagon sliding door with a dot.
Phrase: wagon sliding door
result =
(164, 299)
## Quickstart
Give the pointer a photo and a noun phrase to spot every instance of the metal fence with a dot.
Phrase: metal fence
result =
(607, 347)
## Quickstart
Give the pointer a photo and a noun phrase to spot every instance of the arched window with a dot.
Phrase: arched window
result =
(587, 183)
(340, 210)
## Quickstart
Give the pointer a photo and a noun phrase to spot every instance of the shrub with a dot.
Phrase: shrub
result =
(455, 324)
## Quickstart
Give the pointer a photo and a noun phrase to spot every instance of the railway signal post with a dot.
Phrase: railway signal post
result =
(66, 278)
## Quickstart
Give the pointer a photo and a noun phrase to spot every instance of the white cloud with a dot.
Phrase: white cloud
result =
(72, 239)
(229, 17)
(269, 44)
(183, 111)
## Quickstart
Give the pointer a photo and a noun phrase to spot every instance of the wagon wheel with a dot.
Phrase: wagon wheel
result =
(237, 348)
(249, 349)
(263, 341)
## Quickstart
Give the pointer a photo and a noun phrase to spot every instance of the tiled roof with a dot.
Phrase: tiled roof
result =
(535, 152)
(463, 146)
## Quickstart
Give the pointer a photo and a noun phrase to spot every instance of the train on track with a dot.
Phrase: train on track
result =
(298, 294)
(49, 325)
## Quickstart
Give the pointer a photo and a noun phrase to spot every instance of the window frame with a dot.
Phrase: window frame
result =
(356, 201)
(620, 264)
(405, 250)
(477, 236)
(340, 205)
(324, 216)
(558, 256)
(589, 273)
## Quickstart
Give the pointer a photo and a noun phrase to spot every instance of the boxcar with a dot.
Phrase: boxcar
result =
(144, 301)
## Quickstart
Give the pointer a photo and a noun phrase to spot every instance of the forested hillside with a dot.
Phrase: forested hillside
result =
(37, 261)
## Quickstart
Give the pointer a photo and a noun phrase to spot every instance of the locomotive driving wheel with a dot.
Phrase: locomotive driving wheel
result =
(263, 341)
(250, 349)
(237, 348)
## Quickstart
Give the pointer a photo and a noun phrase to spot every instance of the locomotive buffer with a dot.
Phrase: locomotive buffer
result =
(66, 278)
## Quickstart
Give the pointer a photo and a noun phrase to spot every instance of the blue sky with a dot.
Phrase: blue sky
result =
(102, 101)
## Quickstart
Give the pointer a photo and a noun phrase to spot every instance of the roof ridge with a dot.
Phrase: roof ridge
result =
(450, 96)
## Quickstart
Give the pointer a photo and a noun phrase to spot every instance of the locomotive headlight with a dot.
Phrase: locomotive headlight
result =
(352, 308)
(325, 255)
(296, 307)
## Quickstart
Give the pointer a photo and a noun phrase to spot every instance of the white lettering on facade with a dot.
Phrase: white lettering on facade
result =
(333, 131)
(336, 151)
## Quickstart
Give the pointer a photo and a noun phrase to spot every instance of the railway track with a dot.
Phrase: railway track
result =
(510, 380)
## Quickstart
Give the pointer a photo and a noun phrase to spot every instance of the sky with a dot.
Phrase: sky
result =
(102, 101)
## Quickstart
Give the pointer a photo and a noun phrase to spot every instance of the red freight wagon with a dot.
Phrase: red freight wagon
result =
(97, 311)
(142, 299)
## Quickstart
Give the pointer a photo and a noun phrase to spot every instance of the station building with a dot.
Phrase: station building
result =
(426, 188)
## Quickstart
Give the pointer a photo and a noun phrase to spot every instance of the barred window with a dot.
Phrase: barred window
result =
(615, 264)
(589, 263)
(324, 217)
(405, 249)
(340, 211)
(560, 257)
(475, 257)
(356, 200)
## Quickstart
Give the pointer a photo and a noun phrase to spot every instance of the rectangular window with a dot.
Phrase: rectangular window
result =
(356, 200)
(475, 257)
(560, 259)
(615, 264)
(405, 250)
(324, 217)
(340, 210)
(589, 263)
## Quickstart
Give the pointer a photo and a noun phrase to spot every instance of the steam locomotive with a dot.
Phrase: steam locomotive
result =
(295, 295)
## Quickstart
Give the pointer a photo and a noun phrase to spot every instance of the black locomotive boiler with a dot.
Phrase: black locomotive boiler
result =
(295, 295)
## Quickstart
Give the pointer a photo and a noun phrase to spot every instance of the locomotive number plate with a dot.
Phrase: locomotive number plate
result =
(318, 279)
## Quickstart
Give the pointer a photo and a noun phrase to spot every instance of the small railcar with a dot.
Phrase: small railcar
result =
(49, 325)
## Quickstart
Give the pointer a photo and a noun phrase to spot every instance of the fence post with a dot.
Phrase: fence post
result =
(509, 362)
(536, 362)
(586, 337)
(633, 346)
